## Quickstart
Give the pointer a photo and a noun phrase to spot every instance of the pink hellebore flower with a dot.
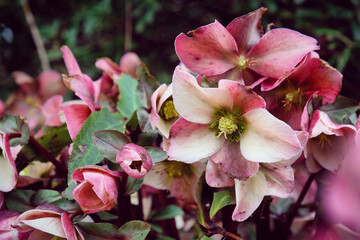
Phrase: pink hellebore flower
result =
(87, 90)
(288, 96)
(328, 144)
(240, 52)
(48, 222)
(8, 170)
(97, 189)
(230, 125)
(134, 160)
(7, 231)
(163, 112)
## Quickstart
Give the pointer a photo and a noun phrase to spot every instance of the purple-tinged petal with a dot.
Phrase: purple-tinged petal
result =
(190, 142)
(51, 110)
(68, 227)
(247, 30)
(2, 108)
(108, 66)
(216, 177)
(279, 178)
(243, 98)
(267, 139)
(210, 50)
(8, 170)
(70, 61)
(278, 51)
(75, 117)
(249, 195)
(233, 163)
(129, 63)
(194, 103)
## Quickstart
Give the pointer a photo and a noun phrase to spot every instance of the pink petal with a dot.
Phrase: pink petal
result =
(249, 195)
(243, 98)
(280, 179)
(216, 177)
(247, 30)
(8, 170)
(68, 227)
(51, 225)
(51, 109)
(157, 177)
(190, 142)
(86, 197)
(194, 103)
(184, 188)
(108, 66)
(267, 139)
(210, 50)
(233, 163)
(70, 61)
(75, 117)
(278, 51)
(2, 108)
(129, 63)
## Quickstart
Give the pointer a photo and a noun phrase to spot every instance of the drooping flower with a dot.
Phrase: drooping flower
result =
(240, 52)
(328, 144)
(228, 124)
(163, 112)
(97, 188)
(134, 160)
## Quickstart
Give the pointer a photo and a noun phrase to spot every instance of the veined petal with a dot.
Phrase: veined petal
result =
(70, 61)
(278, 51)
(216, 177)
(190, 142)
(210, 50)
(247, 30)
(194, 103)
(233, 163)
(75, 116)
(280, 179)
(51, 225)
(268, 139)
(249, 195)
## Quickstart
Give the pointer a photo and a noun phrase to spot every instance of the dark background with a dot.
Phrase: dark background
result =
(96, 28)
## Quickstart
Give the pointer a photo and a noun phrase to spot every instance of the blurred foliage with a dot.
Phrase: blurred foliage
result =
(96, 28)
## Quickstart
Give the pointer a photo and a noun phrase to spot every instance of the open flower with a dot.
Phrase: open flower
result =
(228, 124)
(46, 222)
(134, 160)
(329, 143)
(97, 189)
(240, 52)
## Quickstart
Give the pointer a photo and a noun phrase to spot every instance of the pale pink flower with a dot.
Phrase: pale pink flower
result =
(240, 52)
(97, 188)
(134, 160)
(328, 144)
(163, 112)
(8, 170)
(46, 222)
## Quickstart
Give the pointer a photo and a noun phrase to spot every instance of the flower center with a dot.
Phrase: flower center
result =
(176, 169)
(294, 97)
(243, 63)
(136, 165)
(231, 124)
(168, 111)
(324, 140)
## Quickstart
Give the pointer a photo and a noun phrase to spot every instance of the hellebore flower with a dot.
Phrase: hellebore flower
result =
(240, 52)
(163, 112)
(134, 160)
(46, 222)
(328, 144)
(228, 124)
(288, 96)
(7, 231)
(97, 189)
(8, 170)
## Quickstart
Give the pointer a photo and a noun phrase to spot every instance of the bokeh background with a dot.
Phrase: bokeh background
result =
(97, 28)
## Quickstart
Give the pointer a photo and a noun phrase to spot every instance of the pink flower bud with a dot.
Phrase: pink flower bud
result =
(97, 189)
(134, 160)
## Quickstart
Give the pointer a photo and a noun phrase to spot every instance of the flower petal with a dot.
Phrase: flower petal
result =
(70, 61)
(280, 50)
(194, 103)
(268, 139)
(190, 142)
(233, 163)
(216, 177)
(249, 195)
(8, 170)
(51, 109)
(210, 50)
(75, 117)
(280, 179)
(68, 227)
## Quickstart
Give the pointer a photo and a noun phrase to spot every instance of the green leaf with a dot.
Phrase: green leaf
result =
(100, 230)
(129, 102)
(147, 85)
(156, 154)
(205, 238)
(84, 150)
(344, 58)
(341, 110)
(15, 124)
(144, 120)
(133, 185)
(221, 199)
(203, 197)
(19, 200)
(134, 230)
(45, 196)
(109, 142)
(168, 212)
(107, 216)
